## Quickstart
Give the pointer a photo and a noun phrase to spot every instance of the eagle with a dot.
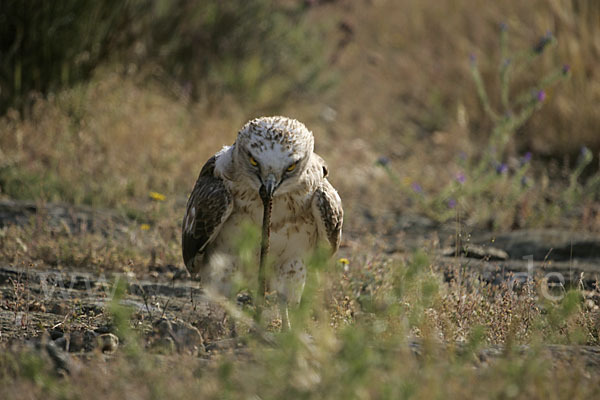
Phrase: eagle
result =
(272, 162)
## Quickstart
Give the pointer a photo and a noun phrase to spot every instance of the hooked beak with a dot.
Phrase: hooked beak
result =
(268, 187)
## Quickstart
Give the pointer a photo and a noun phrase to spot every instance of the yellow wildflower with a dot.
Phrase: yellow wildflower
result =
(344, 261)
(145, 227)
(157, 196)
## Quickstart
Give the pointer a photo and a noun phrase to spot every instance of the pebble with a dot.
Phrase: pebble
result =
(185, 336)
(108, 343)
(84, 340)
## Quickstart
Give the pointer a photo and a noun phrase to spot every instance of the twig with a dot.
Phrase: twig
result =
(145, 297)
(165, 308)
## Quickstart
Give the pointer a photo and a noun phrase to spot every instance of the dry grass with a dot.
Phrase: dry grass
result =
(404, 92)
(351, 339)
(406, 71)
(105, 143)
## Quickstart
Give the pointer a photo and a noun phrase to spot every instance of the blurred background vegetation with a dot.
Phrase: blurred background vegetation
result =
(207, 47)
(103, 102)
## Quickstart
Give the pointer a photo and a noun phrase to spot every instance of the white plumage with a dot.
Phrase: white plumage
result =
(275, 152)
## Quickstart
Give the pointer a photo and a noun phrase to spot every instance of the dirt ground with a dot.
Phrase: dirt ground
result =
(72, 308)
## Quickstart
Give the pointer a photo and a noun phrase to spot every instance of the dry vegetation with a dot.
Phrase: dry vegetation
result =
(404, 132)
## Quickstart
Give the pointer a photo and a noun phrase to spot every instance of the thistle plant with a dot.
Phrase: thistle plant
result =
(493, 186)
(576, 192)
(514, 110)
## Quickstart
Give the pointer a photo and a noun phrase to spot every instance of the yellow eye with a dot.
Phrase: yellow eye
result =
(253, 161)
(291, 167)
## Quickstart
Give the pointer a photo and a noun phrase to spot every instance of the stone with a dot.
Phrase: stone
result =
(61, 360)
(164, 345)
(476, 251)
(61, 342)
(108, 343)
(83, 340)
(550, 244)
(185, 336)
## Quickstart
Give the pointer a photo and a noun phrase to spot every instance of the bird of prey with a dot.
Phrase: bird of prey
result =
(271, 161)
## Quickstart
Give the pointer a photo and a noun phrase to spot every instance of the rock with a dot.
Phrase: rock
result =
(75, 342)
(60, 359)
(59, 308)
(568, 273)
(55, 334)
(61, 342)
(89, 340)
(82, 341)
(50, 352)
(590, 305)
(108, 343)
(185, 336)
(105, 329)
(551, 244)
(244, 299)
(163, 327)
(476, 251)
(164, 345)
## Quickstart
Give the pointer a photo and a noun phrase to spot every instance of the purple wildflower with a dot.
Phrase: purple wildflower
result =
(584, 150)
(541, 96)
(566, 69)
(502, 168)
(543, 43)
(461, 178)
(585, 154)
(526, 158)
(473, 59)
(383, 161)
(451, 203)
(417, 188)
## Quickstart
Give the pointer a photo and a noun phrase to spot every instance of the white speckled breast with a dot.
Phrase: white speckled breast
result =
(293, 229)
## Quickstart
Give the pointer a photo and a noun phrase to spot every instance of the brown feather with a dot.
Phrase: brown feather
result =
(330, 213)
(209, 205)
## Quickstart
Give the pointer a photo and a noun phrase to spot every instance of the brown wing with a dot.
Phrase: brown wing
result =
(329, 215)
(208, 207)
